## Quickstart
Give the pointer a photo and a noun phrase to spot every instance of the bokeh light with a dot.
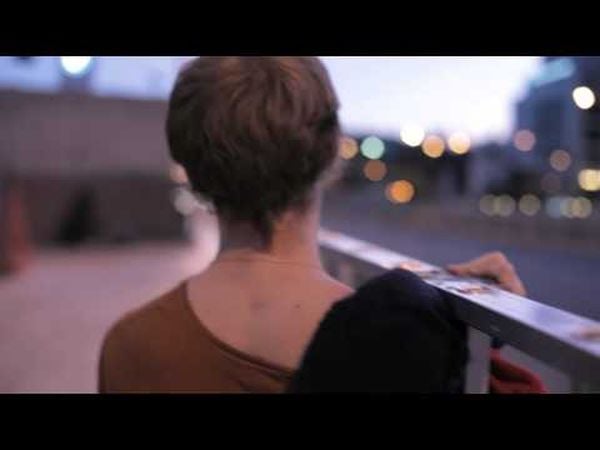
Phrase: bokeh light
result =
(565, 207)
(372, 147)
(529, 205)
(348, 148)
(560, 160)
(412, 135)
(433, 146)
(589, 180)
(504, 205)
(524, 140)
(486, 204)
(76, 66)
(580, 207)
(554, 207)
(375, 170)
(401, 191)
(459, 143)
(584, 97)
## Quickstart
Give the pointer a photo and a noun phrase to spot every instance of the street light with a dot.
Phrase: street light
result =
(584, 97)
(76, 72)
(76, 66)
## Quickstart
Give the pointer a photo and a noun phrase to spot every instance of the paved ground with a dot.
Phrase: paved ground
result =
(54, 315)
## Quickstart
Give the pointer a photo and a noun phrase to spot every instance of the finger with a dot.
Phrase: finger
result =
(511, 282)
(458, 269)
(476, 267)
(492, 265)
(489, 265)
(497, 267)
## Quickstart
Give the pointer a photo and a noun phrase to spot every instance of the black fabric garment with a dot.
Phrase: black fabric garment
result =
(394, 334)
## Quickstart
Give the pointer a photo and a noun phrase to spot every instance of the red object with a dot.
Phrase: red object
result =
(15, 245)
(508, 378)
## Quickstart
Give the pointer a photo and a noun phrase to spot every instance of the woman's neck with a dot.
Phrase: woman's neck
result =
(294, 240)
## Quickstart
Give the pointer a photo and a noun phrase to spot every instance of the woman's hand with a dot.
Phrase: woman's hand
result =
(491, 265)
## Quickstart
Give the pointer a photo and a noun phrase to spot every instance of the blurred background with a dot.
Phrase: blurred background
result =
(445, 158)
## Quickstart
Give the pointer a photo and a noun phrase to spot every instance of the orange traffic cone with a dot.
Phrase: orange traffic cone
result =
(15, 244)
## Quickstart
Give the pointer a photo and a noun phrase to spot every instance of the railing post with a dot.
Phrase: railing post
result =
(478, 368)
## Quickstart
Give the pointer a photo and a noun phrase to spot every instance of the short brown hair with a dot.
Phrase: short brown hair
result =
(254, 134)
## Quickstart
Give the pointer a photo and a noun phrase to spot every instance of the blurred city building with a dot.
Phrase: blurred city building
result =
(90, 166)
(557, 130)
(556, 122)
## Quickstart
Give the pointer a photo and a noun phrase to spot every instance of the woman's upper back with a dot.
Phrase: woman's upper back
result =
(226, 330)
(162, 347)
(395, 333)
(266, 309)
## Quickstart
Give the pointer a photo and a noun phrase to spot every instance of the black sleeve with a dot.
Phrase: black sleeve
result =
(395, 334)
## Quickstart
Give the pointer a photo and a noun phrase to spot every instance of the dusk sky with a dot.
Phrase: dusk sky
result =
(475, 95)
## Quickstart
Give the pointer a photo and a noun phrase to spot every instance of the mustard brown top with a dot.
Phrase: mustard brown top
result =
(164, 348)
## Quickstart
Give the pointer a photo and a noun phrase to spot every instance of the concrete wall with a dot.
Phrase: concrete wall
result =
(122, 208)
(66, 134)
(59, 145)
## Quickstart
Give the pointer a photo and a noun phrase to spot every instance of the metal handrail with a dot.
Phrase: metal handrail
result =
(564, 340)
